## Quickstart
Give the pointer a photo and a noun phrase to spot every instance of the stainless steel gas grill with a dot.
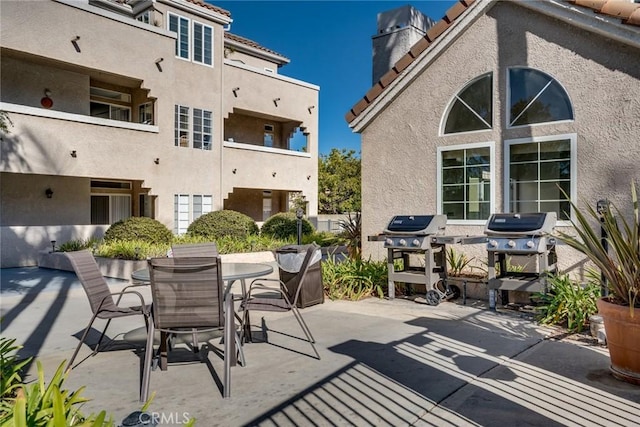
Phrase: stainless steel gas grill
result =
(408, 237)
(519, 235)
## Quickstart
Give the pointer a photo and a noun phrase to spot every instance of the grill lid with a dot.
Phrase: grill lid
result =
(417, 224)
(521, 223)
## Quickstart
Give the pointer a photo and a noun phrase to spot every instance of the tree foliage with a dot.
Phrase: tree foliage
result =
(339, 182)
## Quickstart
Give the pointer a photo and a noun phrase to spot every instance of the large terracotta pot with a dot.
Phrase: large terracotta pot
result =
(623, 340)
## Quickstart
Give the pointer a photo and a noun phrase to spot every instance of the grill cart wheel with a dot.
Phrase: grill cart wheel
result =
(432, 297)
(453, 292)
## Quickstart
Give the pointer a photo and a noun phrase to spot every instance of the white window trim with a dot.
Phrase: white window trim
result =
(452, 100)
(492, 171)
(508, 101)
(190, 35)
(192, 117)
(178, 129)
(193, 39)
(572, 137)
(110, 104)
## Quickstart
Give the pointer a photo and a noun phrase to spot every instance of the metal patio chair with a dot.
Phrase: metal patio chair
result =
(100, 297)
(188, 299)
(273, 295)
(209, 249)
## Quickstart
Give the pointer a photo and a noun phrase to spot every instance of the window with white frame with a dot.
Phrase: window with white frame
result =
(187, 209)
(202, 44)
(466, 182)
(536, 97)
(266, 204)
(180, 26)
(537, 172)
(180, 213)
(194, 40)
(471, 109)
(181, 126)
(268, 136)
(202, 120)
(202, 204)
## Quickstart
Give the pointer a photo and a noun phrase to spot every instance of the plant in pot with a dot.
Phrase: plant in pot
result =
(619, 263)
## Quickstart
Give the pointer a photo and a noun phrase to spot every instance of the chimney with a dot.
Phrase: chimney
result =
(398, 30)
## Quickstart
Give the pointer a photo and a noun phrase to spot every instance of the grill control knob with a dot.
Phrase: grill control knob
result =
(402, 242)
(511, 244)
(530, 244)
(493, 243)
(389, 242)
(416, 242)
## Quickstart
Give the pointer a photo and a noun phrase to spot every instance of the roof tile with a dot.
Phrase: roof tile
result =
(374, 92)
(420, 46)
(349, 116)
(403, 62)
(455, 11)
(619, 9)
(634, 18)
(435, 31)
(360, 106)
(250, 43)
(211, 7)
(388, 77)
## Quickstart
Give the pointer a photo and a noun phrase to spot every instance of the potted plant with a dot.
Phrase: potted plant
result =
(619, 264)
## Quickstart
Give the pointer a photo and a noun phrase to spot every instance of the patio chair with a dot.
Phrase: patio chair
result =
(273, 296)
(101, 298)
(209, 249)
(188, 299)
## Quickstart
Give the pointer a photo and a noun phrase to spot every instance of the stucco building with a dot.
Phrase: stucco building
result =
(496, 108)
(142, 108)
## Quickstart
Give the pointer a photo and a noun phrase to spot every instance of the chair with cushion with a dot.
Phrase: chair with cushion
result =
(209, 249)
(272, 295)
(188, 299)
(100, 297)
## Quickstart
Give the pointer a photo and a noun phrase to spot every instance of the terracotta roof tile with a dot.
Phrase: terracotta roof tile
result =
(455, 11)
(403, 63)
(437, 30)
(209, 6)
(388, 77)
(250, 43)
(374, 92)
(634, 18)
(420, 46)
(629, 13)
(624, 10)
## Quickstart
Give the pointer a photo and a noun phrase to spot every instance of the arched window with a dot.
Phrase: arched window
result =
(536, 97)
(472, 108)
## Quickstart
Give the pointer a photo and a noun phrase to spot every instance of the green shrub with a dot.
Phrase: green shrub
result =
(568, 302)
(139, 228)
(132, 250)
(354, 279)
(78, 245)
(284, 225)
(214, 225)
(11, 369)
(322, 238)
(253, 243)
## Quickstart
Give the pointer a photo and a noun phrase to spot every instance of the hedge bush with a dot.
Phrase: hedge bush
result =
(139, 228)
(284, 225)
(218, 224)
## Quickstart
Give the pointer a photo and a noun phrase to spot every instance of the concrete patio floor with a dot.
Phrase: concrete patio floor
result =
(384, 363)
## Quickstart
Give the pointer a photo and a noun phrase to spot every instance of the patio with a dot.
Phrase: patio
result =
(383, 363)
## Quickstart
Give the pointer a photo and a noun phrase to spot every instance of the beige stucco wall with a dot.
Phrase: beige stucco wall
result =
(601, 77)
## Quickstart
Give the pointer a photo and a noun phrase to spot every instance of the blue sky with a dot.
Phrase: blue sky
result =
(329, 45)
